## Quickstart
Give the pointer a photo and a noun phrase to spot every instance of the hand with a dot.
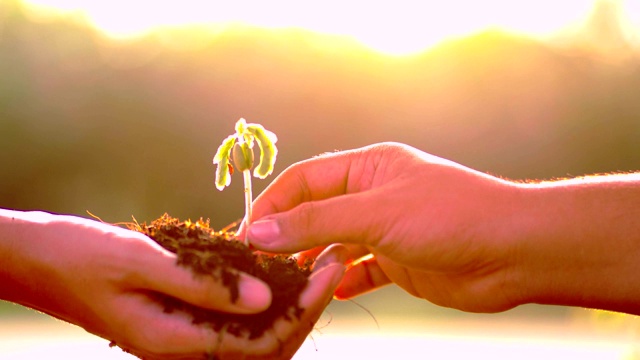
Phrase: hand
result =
(429, 225)
(287, 336)
(458, 237)
(100, 277)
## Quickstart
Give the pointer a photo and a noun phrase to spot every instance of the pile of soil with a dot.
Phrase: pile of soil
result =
(218, 254)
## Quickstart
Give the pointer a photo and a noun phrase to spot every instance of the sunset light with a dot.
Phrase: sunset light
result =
(396, 28)
(117, 107)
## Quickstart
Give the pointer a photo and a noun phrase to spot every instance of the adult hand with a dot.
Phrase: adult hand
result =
(427, 224)
(458, 237)
(103, 278)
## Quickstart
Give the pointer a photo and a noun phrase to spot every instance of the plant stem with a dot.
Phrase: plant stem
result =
(248, 200)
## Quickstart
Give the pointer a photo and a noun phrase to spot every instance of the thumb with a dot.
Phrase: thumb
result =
(342, 219)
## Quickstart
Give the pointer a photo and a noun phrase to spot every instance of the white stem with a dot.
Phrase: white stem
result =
(248, 200)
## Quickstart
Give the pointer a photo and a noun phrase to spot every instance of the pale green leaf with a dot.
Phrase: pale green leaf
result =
(268, 151)
(223, 176)
(224, 150)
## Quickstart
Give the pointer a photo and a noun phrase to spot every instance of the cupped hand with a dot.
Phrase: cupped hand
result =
(427, 224)
(104, 279)
(286, 336)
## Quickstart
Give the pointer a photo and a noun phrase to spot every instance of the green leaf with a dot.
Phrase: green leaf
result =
(223, 176)
(268, 151)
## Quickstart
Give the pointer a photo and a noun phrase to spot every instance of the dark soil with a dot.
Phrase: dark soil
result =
(210, 253)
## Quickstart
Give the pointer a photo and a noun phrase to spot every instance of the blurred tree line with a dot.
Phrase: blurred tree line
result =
(129, 127)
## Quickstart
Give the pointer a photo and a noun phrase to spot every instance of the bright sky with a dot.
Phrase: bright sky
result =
(391, 26)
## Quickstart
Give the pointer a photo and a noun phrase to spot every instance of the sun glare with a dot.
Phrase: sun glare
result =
(393, 27)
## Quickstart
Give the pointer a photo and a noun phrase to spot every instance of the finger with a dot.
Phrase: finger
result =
(161, 274)
(287, 335)
(327, 273)
(304, 257)
(334, 254)
(146, 330)
(314, 179)
(321, 223)
(361, 278)
(323, 177)
(355, 253)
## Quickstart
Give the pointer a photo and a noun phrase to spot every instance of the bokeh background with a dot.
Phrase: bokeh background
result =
(121, 117)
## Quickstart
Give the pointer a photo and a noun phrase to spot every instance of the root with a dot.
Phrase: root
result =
(366, 310)
(130, 225)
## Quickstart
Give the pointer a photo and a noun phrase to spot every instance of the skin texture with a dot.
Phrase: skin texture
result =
(100, 277)
(455, 236)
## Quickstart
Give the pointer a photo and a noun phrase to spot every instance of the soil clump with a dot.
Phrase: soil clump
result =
(218, 254)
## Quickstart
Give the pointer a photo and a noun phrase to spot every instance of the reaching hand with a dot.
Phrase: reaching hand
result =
(458, 237)
(428, 223)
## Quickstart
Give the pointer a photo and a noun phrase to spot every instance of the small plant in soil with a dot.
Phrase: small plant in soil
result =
(239, 148)
(220, 255)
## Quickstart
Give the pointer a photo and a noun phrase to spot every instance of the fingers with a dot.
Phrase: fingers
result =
(327, 274)
(286, 336)
(332, 175)
(325, 200)
(355, 252)
(319, 178)
(308, 255)
(163, 275)
(156, 334)
(144, 329)
(343, 219)
(361, 277)
(334, 254)
(315, 179)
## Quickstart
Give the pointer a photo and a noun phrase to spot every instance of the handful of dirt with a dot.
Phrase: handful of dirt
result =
(218, 254)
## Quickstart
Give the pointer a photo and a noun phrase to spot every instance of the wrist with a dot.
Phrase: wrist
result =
(18, 233)
(578, 246)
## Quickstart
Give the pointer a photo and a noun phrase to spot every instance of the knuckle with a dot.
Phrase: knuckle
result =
(305, 215)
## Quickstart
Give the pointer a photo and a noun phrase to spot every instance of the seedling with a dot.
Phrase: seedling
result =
(239, 148)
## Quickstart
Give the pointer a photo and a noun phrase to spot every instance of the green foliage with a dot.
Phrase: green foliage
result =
(268, 151)
(239, 147)
(223, 176)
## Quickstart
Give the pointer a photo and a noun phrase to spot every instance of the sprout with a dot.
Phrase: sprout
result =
(239, 148)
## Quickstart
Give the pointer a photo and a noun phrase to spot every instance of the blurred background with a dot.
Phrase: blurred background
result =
(117, 108)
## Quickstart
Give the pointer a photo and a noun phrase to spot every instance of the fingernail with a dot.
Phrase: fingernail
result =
(329, 276)
(264, 231)
(255, 295)
(335, 254)
(339, 269)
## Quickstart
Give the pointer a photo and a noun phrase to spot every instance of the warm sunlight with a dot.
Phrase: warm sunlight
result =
(397, 28)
